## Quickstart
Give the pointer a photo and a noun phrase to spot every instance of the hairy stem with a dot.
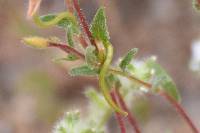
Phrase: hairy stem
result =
(130, 77)
(168, 98)
(181, 111)
(118, 115)
(67, 49)
(84, 22)
(131, 118)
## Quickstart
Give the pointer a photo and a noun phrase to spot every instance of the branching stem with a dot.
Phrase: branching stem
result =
(181, 111)
(67, 49)
(102, 80)
(131, 118)
(118, 115)
(132, 78)
(165, 95)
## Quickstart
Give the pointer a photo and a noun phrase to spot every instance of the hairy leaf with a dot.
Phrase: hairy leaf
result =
(127, 58)
(163, 80)
(90, 56)
(99, 27)
(70, 36)
(84, 70)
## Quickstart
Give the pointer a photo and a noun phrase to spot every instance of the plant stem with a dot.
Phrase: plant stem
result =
(136, 80)
(167, 97)
(69, 6)
(118, 115)
(84, 22)
(67, 49)
(130, 77)
(131, 118)
(181, 111)
(102, 79)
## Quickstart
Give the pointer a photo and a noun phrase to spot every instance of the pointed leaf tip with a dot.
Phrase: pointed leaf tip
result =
(163, 80)
(127, 58)
(99, 27)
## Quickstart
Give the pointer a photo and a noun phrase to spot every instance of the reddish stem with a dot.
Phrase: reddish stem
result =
(181, 111)
(83, 22)
(69, 6)
(67, 49)
(131, 118)
(82, 40)
(118, 115)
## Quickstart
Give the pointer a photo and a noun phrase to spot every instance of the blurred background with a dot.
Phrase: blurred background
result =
(35, 92)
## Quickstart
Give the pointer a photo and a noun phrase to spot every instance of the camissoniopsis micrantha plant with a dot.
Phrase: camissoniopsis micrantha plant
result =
(92, 45)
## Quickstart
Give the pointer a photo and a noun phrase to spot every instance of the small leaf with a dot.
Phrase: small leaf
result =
(99, 27)
(163, 80)
(70, 57)
(91, 57)
(67, 22)
(84, 70)
(70, 36)
(127, 59)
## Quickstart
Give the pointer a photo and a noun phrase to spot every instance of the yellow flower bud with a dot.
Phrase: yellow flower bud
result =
(36, 42)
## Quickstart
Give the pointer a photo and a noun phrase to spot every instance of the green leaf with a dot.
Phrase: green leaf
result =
(63, 23)
(70, 37)
(68, 23)
(91, 57)
(70, 57)
(127, 58)
(84, 70)
(99, 27)
(163, 80)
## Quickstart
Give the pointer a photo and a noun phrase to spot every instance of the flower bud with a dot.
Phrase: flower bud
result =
(36, 42)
